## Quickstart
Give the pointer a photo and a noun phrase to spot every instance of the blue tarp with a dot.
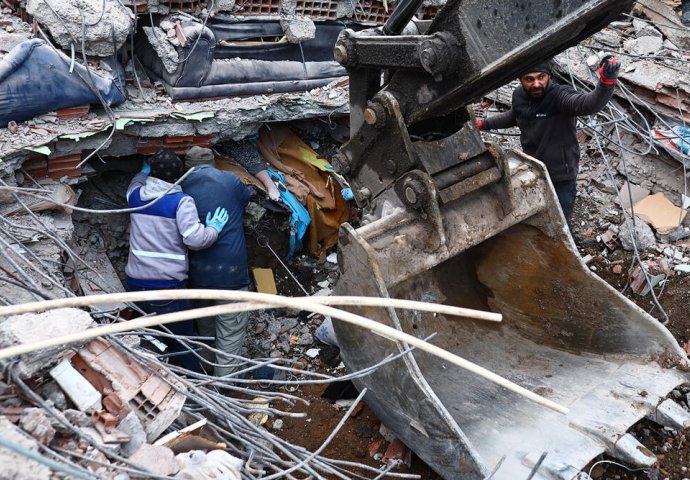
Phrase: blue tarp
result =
(683, 140)
(299, 219)
(35, 79)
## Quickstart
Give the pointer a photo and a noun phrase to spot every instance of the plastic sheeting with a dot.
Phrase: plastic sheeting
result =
(299, 219)
(35, 79)
(308, 177)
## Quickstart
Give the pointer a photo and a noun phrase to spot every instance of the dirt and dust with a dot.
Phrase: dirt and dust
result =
(672, 448)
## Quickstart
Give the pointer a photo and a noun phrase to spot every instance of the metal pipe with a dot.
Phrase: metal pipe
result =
(401, 16)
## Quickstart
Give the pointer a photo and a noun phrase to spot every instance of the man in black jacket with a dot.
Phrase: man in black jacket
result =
(546, 114)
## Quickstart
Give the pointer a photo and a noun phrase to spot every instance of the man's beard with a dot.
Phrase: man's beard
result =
(536, 92)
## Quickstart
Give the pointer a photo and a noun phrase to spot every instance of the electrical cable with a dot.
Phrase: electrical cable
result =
(91, 210)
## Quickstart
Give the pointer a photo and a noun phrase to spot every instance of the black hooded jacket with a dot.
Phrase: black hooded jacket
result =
(547, 124)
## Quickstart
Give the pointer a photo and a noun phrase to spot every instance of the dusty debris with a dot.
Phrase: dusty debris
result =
(129, 386)
(15, 465)
(106, 24)
(297, 28)
(640, 236)
(156, 459)
(164, 48)
(29, 327)
(144, 130)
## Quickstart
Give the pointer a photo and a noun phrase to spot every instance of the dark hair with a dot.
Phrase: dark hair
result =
(167, 166)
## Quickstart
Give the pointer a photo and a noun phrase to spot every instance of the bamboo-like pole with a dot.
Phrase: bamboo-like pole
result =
(233, 295)
(272, 301)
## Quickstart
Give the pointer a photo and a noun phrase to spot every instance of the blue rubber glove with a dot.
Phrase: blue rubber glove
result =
(218, 220)
(145, 167)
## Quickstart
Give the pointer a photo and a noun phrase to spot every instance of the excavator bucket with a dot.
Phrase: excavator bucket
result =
(565, 334)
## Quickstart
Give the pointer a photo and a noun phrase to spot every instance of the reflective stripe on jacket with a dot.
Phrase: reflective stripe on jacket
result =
(161, 233)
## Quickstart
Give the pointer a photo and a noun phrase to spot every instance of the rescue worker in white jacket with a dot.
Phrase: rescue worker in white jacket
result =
(160, 235)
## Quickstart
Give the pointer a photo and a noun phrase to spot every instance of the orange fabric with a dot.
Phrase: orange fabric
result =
(325, 223)
(281, 148)
(285, 151)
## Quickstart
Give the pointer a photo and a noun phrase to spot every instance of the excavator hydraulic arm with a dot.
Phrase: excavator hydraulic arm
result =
(470, 48)
(456, 221)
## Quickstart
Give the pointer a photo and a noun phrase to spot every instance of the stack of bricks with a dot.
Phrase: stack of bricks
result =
(178, 144)
(55, 167)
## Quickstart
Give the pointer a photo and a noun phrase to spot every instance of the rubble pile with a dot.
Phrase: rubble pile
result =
(641, 147)
(634, 153)
(76, 23)
(109, 408)
(116, 406)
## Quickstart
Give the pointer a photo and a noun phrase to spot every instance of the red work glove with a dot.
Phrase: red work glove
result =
(480, 123)
(608, 70)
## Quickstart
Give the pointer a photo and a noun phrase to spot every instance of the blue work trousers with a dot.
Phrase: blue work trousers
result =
(185, 328)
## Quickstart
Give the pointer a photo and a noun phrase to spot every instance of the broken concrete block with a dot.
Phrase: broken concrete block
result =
(14, 465)
(345, 10)
(643, 45)
(674, 254)
(288, 7)
(668, 45)
(132, 426)
(223, 6)
(644, 236)
(108, 23)
(608, 38)
(156, 459)
(35, 422)
(34, 327)
(77, 418)
(297, 28)
(679, 233)
(164, 49)
(644, 29)
(52, 392)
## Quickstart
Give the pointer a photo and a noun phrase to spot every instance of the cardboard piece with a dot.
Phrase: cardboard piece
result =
(265, 282)
(638, 193)
(660, 213)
